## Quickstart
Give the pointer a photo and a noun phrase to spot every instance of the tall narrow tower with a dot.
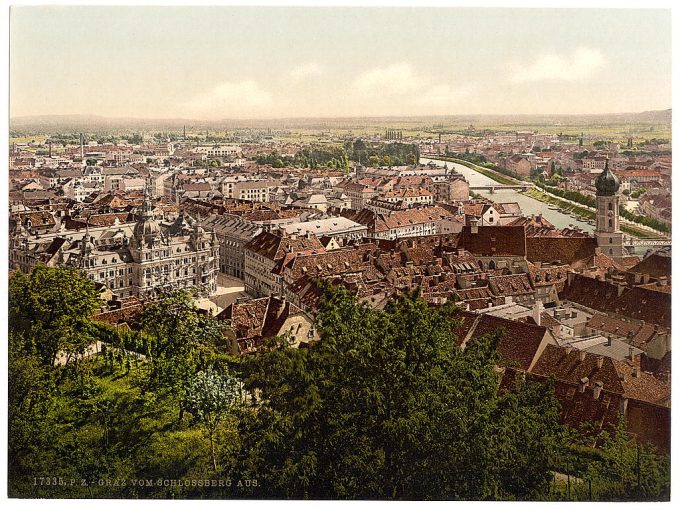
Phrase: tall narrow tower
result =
(609, 237)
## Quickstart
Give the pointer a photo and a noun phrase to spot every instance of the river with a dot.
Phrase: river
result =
(529, 205)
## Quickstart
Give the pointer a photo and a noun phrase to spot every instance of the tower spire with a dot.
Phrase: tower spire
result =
(147, 207)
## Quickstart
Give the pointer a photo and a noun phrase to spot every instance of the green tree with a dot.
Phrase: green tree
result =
(210, 396)
(179, 342)
(629, 470)
(50, 310)
(387, 406)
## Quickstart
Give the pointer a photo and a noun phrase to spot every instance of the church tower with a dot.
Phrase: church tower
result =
(609, 237)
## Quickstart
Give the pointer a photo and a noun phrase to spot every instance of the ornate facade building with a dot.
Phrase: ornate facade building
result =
(139, 259)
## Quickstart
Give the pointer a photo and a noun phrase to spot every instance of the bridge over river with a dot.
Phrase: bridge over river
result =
(631, 242)
(492, 188)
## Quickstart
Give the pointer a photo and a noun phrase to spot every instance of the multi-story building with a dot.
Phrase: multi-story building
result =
(233, 233)
(594, 163)
(519, 165)
(247, 189)
(264, 252)
(138, 259)
(451, 189)
(340, 228)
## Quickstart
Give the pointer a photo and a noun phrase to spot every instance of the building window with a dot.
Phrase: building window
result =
(610, 240)
(611, 223)
(610, 207)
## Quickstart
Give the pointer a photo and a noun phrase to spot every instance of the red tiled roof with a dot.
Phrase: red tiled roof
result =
(511, 284)
(642, 386)
(655, 265)
(572, 366)
(519, 343)
(274, 246)
(566, 250)
(494, 240)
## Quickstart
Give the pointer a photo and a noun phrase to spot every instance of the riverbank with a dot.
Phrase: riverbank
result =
(589, 203)
(493, 175)
(580, 210)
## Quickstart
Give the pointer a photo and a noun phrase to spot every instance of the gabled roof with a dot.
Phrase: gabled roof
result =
(494, 240)
(644, 304)
(274, 246)
(565, 249)
(655, 265)
(572, 366)
(642, 386)
(520, 342)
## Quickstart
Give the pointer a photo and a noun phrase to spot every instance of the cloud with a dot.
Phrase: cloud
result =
(231, 98)
(442, 95)
(580, 64)
(306, 71)
(394, 79)
(398, 89)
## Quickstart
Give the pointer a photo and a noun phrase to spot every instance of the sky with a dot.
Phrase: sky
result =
(274, 62)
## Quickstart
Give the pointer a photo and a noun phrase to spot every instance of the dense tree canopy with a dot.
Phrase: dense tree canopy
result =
(49, 310)
(386, 406)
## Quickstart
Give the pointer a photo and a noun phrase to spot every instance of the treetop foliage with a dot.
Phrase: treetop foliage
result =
(385, 406)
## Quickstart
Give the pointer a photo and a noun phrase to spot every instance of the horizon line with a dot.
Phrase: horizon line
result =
(314, 117)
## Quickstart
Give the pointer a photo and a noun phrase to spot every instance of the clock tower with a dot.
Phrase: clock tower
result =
(609, 237)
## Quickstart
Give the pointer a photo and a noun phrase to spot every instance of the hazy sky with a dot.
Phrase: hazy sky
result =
(260, 62)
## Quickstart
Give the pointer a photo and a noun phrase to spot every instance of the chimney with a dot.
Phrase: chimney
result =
(609, 340)
(597, 390)
(600, 361)
(583, 383)
(474, 227)
(568, 349)
(282, 306)
(636, 372)
(536, 314)
(630, 353)
(582, 355)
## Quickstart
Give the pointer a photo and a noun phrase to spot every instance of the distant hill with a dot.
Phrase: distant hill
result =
(93, 123)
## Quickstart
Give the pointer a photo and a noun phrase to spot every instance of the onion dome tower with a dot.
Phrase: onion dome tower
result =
(609, 237)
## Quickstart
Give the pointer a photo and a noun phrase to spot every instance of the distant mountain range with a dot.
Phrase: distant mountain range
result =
(99, 123)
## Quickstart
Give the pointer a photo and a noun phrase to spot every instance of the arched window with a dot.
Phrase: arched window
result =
(610, 240)
(610, 207)
(611, 223)
(611, 251)
(492, 265)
